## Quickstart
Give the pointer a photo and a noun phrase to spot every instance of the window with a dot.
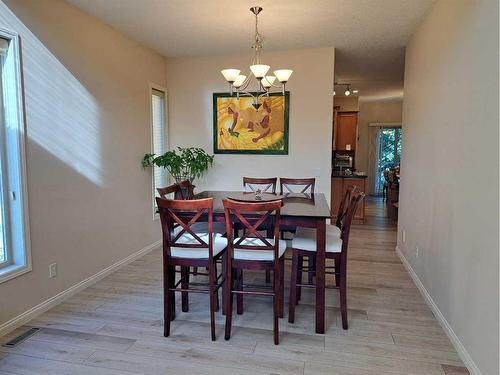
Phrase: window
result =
(159, 137)
(14, 231)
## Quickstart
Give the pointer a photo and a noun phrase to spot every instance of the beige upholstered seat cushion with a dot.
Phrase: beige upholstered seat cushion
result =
(305, 239)
(219, 244)
(262, 255)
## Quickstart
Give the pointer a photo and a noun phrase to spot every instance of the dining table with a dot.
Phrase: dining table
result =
(299, 209)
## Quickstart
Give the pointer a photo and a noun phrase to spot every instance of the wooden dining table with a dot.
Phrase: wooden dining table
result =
(299, 209)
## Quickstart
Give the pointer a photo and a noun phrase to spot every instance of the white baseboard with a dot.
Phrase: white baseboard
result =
(459, 347)
(32, 313)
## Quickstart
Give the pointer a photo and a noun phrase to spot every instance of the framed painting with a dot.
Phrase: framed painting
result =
(239, 128)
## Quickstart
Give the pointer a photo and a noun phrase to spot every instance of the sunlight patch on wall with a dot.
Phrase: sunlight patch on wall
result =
(62, 115)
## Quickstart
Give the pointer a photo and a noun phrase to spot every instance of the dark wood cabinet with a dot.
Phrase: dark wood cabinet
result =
(346, 130)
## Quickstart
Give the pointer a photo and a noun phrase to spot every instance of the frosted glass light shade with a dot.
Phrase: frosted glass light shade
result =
(268, 81)
(230, 74)
(283, 75)
(347, 93)
(259, 70)
(239, 80)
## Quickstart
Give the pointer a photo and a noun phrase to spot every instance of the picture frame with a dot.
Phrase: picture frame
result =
(238, 128)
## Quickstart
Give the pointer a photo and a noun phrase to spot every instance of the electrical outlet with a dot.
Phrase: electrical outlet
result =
(416, 251)
(53, 270)
(403, 235)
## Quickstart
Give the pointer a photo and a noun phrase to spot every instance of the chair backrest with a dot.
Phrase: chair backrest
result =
(181, 190)
(344, 205)
(266, 185)
(250, 216)
(297, 185)
(346, 228)
(184, 214)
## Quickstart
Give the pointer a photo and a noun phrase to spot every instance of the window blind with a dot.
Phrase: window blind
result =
(159, 135)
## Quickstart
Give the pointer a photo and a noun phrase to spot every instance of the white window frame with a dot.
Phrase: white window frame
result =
(152, 87)
(16, 194)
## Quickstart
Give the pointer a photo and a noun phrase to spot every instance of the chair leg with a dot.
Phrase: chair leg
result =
(337, 269)
(229, 302)
(185, 285)
(172, 274)
(224, 284)
(212, 277)
(343, 301)
(195, 271)
(282, 287)
(299, 278)
(311, 262)
(239, 297)
(293, 287)
(276, 303)
(268, 276)
(269, 234)
(167, 309)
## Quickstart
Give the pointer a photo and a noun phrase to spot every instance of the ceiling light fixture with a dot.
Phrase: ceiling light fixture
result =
(347, 91)
(239, 83)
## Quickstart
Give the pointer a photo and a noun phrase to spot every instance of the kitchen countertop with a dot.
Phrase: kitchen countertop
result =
(337, 175)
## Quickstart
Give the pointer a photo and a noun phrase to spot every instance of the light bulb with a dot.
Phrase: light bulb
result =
(347, 93)
(268, 81)
(259, 70)
(239, 81)
(355, 91)
(230, 74)
(333, 92)
(283, 75)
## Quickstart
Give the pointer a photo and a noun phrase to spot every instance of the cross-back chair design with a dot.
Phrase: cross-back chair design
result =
(265, 185)
(332, 230)
(184, 247)
(297, 185)
(304, 244)
(181, 190)
(253, 251)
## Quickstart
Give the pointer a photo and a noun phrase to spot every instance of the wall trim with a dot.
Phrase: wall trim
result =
(459, 347)
(39, 309)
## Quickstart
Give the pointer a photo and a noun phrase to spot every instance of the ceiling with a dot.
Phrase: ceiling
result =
(369, 35)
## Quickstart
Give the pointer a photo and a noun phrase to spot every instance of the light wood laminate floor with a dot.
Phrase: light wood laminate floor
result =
(115, 326)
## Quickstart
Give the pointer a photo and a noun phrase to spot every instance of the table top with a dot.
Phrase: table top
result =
(294, 204)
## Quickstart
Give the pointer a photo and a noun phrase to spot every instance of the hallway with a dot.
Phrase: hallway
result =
(115, 326)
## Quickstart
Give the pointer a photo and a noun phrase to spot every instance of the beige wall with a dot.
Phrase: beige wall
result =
(449, 182)
(191, 82)
(346, 103)
(373, 111)
(87, 107)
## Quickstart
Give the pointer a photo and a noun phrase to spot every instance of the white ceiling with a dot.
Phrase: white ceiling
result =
(369, 35)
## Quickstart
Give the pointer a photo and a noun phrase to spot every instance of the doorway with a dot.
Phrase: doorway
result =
(389, 142)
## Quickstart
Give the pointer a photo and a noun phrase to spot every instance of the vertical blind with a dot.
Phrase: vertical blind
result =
(159, 134)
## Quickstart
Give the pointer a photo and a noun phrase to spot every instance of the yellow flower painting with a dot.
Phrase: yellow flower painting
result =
(240, 128)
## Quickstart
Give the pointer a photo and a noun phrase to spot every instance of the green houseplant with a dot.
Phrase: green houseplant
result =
(184, 164)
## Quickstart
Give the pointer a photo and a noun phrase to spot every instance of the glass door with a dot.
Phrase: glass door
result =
(389, 153)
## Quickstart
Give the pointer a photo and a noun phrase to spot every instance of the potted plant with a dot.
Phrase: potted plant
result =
(184, 164)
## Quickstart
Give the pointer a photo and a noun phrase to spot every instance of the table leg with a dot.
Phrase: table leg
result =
(320, 275)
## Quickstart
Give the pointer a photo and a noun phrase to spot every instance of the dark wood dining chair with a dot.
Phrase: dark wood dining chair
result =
(186, 248)
(333, 230)
(253, 251)
(304, 244)
(265, 185)
(185, 190)
(297, 185)
(181, 190)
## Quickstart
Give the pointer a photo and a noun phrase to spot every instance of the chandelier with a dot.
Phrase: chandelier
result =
(240, 83)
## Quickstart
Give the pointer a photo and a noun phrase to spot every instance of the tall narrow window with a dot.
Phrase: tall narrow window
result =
(159, 136)
(14, 232)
